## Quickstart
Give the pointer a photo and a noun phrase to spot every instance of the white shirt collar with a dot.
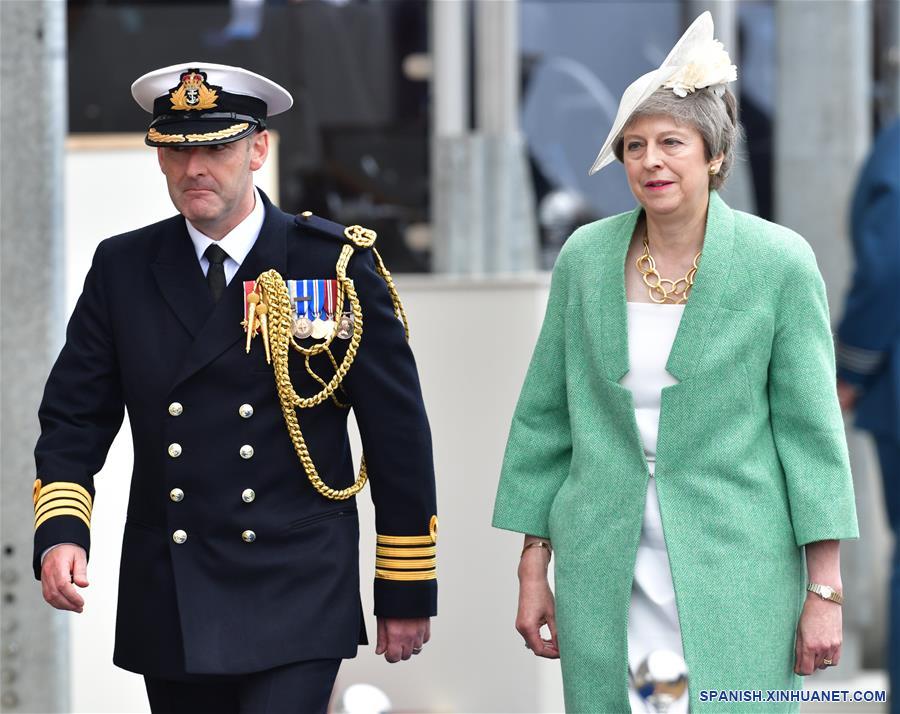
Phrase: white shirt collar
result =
(239, 240)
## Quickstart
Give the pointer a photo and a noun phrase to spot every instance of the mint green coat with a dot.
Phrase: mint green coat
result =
(751, 460)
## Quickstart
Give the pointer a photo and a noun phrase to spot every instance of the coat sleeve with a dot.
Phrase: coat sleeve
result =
(871, 320)
(806, 419)
(539, 448)
(80, 414)
(384, 389)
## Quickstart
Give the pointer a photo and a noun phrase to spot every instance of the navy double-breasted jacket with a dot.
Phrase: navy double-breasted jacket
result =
(146, 336)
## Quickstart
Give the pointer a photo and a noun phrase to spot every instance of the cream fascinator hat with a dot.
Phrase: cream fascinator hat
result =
(696, 61)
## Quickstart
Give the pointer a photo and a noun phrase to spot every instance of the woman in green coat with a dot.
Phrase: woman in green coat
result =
(678, 442)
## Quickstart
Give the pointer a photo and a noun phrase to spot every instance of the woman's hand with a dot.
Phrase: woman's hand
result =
(819, 635)
(536, 605)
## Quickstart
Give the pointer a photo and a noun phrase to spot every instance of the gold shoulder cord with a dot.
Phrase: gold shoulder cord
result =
(274, 294)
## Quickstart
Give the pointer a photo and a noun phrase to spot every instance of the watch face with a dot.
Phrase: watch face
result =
(827, 591)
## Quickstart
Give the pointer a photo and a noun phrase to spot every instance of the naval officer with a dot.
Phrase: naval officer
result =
(238, 338)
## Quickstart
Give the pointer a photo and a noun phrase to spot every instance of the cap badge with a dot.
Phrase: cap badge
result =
(193, 93)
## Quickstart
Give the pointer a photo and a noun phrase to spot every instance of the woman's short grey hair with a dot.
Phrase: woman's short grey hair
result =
(713, 116)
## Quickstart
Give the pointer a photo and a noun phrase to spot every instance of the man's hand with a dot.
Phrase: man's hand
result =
(402, 638)
(848, 394)
(64, 565)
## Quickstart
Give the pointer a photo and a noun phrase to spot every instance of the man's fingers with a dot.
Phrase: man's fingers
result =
(53, 588)
(68, 591)
(400, 639)
(55, 598)
(394, 653)
(427, 631)
(79, 572)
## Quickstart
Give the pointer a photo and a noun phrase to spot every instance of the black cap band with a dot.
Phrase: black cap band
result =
(226, 104)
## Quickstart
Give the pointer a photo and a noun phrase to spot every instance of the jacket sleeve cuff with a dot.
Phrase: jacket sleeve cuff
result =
(406, 574)
(62, 514)
(857, 362)
(397, 598)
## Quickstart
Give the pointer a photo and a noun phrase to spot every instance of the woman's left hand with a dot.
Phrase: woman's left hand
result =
(819, 635)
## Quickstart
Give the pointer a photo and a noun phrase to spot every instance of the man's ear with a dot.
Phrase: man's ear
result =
(259, 149)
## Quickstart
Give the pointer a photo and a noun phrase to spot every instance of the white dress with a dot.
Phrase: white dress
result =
(653, 615)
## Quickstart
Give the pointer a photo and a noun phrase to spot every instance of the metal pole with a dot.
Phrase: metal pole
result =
(33, 658)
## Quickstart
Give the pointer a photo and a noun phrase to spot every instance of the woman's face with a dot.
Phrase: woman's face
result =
(666, 166)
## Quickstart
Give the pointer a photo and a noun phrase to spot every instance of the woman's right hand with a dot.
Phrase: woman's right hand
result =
(536, 605)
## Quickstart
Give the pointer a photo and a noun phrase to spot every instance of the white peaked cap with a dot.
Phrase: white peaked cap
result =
(235, 80)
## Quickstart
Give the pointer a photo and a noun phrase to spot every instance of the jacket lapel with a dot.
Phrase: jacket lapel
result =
(180, 278)
(223, 326)
(699, 319)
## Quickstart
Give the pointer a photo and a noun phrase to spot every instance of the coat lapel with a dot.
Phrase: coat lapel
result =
(614, 313)
(223, 328)
(180, 278)
(698, 322)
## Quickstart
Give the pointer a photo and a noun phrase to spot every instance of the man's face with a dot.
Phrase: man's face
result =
(212, 186)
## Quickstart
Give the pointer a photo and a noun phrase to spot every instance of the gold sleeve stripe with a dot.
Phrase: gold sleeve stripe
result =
(65, 486)
(407, 575)
(405, 564)
(405, 540)
(53, 495)
(61, 503)
(62, 512)
(405, 552)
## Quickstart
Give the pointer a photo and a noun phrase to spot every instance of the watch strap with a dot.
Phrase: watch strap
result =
(826, 592)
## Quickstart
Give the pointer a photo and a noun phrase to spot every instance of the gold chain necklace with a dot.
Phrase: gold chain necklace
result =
(662, 290)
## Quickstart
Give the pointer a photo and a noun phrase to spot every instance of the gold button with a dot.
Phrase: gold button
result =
(179, 536)
(175, 409)
(246, 410)
(307, 214)
(248, 536)
(174, 450)
(246, 451)
(248, 495)
(176, 494)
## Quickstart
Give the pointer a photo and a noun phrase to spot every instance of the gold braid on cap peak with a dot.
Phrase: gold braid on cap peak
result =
(275, 296)
(154, 135)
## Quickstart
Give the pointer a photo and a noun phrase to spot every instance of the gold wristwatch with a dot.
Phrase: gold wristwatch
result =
(826, 592)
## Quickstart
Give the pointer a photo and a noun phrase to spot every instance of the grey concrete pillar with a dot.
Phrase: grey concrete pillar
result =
(451, 164)
(822, 132)
(509, 228)
(33, 657)
(483, 217)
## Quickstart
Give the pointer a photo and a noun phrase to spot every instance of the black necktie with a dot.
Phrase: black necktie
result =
(215, 276)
